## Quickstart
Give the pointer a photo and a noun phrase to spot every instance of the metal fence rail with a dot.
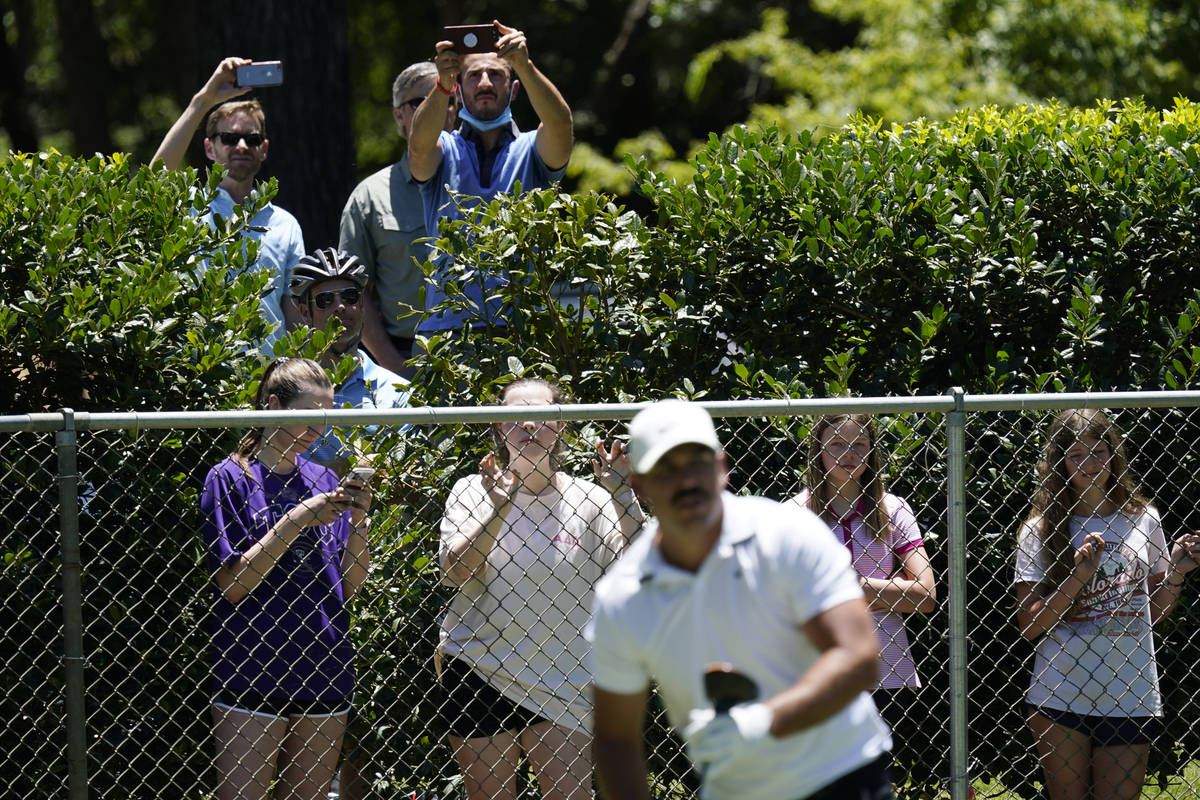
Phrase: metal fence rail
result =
(108, 595)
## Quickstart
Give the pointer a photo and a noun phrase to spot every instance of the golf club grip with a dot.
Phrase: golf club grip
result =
(726, 687)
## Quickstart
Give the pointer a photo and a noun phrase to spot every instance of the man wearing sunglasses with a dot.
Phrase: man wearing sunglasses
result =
(235, 137)
(380, 223)
(329, 283)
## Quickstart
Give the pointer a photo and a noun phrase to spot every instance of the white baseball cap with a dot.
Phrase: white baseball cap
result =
(664, 426)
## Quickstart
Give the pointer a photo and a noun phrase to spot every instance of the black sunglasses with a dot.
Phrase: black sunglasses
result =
(350, 296)
(230, 138)
(414, 104)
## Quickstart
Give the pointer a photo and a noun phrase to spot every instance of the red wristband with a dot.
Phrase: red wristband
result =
(448, 92)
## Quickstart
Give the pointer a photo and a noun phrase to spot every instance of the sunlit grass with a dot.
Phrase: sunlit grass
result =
(1183, 787)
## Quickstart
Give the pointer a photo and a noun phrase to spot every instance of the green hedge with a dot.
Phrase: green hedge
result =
(1002, 251)
(103, 307)
(1034, 249)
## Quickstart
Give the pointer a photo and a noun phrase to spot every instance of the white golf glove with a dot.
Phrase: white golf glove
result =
(719, 737)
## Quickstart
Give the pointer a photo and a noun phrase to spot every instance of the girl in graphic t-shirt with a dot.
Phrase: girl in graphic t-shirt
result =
(844, 488)
(1093, 575)
(524, 544)
(287, 548)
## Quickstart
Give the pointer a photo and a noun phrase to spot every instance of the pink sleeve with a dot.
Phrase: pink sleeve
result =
(905, 534)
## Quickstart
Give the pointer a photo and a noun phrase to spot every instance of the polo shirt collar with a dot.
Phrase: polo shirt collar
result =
(469, 133)
(655, 569)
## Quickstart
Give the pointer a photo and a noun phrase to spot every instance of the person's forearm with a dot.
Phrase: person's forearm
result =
(630, 516)
(174, 145)
(834, 679)
(556, 136)
(1165, 596)
(375, 338)
(356, 561)
(424, 154)
(1050, 609)
(240, 578)
(900, 595)
(621, 770)
(468, 552)
(548, 103)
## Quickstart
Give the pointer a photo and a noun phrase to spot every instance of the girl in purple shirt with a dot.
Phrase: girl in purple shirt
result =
(287, 548)
(844, 487)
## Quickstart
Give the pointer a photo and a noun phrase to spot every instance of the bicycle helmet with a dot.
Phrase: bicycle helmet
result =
(323, 265)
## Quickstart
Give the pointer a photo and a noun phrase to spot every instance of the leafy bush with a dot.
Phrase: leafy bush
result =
(1040, 248)
(104, 306)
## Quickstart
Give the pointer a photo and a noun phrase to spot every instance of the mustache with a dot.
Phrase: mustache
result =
(684, 494)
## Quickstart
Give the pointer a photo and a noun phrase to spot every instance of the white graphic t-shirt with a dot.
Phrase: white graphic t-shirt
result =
(1099, 661)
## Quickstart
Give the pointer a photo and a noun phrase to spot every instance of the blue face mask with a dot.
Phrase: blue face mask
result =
(505, 118)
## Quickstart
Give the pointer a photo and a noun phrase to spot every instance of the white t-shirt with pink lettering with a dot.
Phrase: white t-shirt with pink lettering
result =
(873, 558)
(520, 627)
(1100, 660)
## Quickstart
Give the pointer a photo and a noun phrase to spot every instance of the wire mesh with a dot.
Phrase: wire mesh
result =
(507, 637)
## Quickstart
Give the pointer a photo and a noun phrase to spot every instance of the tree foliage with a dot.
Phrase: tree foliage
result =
(1039, 247)
(648, 78)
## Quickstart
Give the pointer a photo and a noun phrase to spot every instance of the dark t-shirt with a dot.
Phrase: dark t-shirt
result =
(290, 636)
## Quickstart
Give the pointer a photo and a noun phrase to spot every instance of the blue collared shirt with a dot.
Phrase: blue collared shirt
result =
(457, 186)
(280, 247)
(369, 386)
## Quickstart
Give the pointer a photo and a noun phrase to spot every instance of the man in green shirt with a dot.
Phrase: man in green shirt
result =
(381, 221)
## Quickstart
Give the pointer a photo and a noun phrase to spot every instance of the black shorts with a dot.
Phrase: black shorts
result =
(471, 708)
(1105, 731)
(277, 706)
(868, 782)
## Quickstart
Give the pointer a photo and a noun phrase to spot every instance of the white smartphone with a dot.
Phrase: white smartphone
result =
(362, 475)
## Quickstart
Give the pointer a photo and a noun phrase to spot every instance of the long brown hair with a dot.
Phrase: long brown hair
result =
(287, 379)
(1054, 501)
(557, 397)
(821, 490)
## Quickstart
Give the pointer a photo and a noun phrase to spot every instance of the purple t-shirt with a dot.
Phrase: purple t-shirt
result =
(290, 637)
(875, 559)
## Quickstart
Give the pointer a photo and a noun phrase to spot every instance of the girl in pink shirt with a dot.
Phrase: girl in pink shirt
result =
(844, 487)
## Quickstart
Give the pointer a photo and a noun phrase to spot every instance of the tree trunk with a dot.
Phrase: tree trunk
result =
(87, 75)
(308, 117)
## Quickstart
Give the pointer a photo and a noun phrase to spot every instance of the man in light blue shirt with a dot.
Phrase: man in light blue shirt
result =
(329, 283)
(235, 138)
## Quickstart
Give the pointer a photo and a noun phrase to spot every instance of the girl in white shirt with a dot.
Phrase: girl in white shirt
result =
(1093, 575)
(524, 544)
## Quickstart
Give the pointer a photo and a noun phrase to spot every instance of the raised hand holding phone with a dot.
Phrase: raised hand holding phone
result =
(259, 73)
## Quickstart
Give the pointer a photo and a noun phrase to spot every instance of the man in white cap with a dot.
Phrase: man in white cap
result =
(730, 585)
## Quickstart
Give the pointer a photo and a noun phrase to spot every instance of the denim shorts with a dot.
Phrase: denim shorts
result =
(1105, 731)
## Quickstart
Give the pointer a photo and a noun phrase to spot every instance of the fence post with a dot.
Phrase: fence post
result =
(72, 598)
(957, 529)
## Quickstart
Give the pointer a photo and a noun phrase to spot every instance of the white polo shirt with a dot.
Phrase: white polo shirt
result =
(773, 568)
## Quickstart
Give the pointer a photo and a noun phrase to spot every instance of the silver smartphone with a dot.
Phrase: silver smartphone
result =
(361, 475)
(260, 73)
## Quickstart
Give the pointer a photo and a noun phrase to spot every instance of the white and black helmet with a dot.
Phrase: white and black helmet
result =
(323, 265)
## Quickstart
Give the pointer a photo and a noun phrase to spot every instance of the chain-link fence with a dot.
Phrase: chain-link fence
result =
(129, 665)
